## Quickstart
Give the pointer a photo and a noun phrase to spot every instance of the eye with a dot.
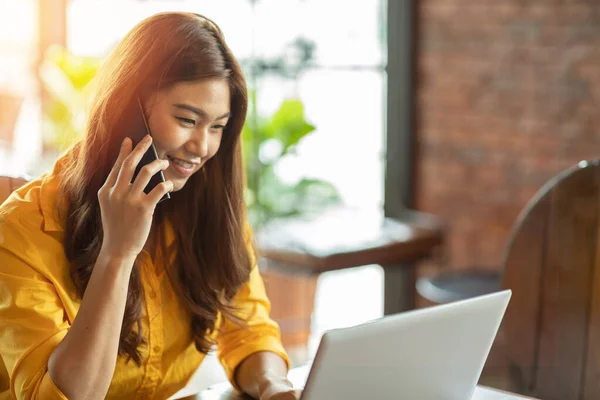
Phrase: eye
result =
(219, 127)
(186, 121)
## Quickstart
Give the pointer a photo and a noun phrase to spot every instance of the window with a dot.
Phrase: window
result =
(19, 100)
(341, 85)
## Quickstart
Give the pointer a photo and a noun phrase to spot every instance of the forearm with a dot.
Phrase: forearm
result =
(83, 364)
(260, 372)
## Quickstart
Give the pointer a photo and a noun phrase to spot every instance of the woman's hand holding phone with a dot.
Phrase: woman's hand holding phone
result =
(126, 210)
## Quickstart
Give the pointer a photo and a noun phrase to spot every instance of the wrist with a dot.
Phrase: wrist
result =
(118, 262)
(269, 385)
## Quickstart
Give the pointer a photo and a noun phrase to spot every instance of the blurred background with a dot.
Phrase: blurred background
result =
(458, 108)
(314, 135)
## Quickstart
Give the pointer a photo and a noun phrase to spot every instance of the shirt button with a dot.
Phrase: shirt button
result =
(153, 295)
(156, 349)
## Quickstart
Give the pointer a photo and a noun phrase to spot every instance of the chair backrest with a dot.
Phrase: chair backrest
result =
(10, 107)
(8, 184)
(552, 265)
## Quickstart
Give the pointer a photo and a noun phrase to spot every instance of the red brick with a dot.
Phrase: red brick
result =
(437, 11)
(507, 10)
(545, 12)
(579, 11)
(491, 246)
(462, 242)
(507, 98)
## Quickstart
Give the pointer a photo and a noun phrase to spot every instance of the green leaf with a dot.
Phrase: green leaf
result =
(288, 124)
(296, 136)
(79, 69)
(64, 77)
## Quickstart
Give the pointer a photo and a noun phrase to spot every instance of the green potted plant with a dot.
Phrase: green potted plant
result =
(64, 78)
(267, 195)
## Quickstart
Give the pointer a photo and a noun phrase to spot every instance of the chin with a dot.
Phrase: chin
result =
(178, 184)
(179, 181)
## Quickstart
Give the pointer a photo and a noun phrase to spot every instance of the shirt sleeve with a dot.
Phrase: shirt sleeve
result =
(235, 343)
(32, 318)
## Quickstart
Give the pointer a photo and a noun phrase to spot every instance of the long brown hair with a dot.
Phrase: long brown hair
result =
(213, 258)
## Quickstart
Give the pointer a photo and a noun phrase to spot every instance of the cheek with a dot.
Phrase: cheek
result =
(214, 145)
(167, 136)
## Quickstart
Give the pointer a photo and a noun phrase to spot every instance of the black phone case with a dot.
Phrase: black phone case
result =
(149, 156)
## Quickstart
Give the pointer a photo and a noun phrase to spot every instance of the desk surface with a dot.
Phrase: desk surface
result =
(344, 237)
(224, 391)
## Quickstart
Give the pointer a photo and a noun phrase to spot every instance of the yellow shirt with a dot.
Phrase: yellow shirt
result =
(38, 304)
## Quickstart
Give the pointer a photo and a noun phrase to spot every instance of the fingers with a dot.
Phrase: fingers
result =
(146, 173)
(159, 191)
(114, 172)
(130, 163)
(122, 172)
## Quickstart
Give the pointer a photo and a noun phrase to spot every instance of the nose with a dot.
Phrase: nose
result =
(198, 143)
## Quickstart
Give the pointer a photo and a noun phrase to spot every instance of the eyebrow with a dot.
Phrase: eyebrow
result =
(199, 112)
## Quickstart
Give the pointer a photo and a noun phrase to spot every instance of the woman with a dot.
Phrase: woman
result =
(104, 290)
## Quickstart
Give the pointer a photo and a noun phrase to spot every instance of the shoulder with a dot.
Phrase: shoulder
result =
(22, 201)
(21, 212)
(24, 228)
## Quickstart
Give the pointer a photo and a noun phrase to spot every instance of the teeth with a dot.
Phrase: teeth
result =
(182, 163)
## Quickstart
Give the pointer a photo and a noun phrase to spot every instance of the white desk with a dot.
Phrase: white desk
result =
(298, 376)
(485, 393)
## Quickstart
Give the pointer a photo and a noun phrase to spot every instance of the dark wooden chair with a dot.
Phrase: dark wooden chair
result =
(552, 265)
(8, 184)
(10, 107)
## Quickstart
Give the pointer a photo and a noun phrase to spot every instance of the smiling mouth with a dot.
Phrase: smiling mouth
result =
(181, 163)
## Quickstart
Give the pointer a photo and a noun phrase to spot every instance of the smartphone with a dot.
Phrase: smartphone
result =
(149, 156)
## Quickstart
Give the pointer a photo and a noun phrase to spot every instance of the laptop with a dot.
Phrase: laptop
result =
(435, 353)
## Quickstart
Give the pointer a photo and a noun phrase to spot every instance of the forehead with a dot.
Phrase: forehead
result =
(212, 95)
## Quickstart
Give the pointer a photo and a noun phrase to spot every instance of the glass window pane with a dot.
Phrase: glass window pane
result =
(88, 20)
(344, 32)
(19, 103)
(347, 146)
(18, 45)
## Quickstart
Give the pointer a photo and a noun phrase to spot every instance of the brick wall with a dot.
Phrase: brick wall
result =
(508, 95)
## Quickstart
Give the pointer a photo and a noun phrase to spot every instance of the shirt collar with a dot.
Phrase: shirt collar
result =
(51, 207)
